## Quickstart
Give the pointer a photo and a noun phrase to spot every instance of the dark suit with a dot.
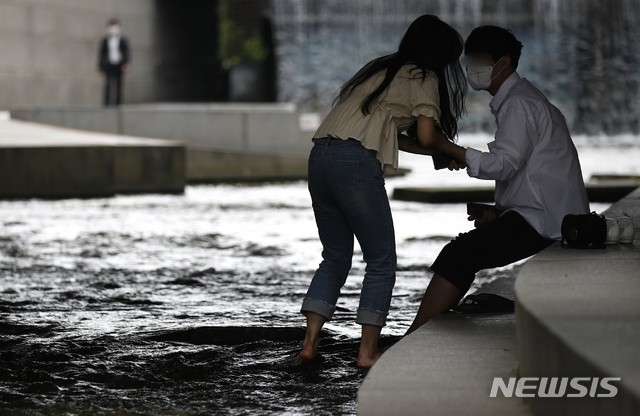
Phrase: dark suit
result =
(113, 72)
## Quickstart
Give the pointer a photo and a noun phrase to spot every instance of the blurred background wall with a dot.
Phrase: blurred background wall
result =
(49, 50)
(584, 54)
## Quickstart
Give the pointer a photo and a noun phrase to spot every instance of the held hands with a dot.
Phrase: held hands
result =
(425, 137)
(456, 166)
(441, 143)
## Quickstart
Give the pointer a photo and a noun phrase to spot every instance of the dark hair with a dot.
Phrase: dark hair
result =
(495, 41)
(431, 45)
(113, 21)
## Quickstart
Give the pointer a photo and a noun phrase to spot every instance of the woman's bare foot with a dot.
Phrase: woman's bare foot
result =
(309, 350)
(368, 360)
(369, 352)
(311, 337)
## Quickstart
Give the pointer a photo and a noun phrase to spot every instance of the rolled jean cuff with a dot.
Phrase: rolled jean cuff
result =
(317, 306)
(369, 317)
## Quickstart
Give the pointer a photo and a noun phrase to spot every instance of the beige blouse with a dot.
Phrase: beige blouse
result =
(394, 111)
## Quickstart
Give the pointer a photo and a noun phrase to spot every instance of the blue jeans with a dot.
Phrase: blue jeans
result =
(349, 198)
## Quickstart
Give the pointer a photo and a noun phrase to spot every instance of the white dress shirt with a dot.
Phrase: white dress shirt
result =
(532, 159)
(113, 43)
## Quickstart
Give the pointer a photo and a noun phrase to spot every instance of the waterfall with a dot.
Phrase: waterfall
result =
(584, 54)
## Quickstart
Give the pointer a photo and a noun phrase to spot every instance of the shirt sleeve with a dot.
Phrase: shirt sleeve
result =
(425, 98)
(513, 145)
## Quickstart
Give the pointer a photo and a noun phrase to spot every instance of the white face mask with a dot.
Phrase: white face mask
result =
(479, 77)
(113, 30)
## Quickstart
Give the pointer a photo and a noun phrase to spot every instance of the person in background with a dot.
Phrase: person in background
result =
(358, 141)
(533, 162)
(113, 61)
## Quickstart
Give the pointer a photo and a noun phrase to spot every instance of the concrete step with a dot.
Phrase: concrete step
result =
(578, 315)
(447, 367)
(603, 191)
(227, 142)
(41, 161)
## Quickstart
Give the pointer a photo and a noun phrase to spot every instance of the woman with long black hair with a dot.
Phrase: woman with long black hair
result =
(357, 142)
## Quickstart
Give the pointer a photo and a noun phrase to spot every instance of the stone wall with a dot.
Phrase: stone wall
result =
(49, 51)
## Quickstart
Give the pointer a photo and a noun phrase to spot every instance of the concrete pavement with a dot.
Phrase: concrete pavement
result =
(578, 314)
(447, 367)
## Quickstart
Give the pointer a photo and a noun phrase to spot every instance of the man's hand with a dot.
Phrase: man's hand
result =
(456, 166)
(125, 68)
(458, 153)
(487, 216)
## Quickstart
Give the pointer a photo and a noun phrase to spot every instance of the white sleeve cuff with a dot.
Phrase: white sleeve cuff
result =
(472, 158)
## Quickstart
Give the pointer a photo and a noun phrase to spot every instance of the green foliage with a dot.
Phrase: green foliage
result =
(237, 44)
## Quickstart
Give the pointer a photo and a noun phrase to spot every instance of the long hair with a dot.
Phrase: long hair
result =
(431, 45)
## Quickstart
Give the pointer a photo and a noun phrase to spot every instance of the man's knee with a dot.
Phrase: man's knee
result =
(457, 264)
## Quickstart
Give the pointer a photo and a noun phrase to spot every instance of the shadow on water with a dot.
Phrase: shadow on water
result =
(195, 371)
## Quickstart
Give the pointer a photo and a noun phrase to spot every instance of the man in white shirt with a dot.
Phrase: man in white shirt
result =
(113, 61)
(533, 161)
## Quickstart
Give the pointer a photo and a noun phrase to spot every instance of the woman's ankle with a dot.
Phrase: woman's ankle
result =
(309, 352)
(312, 336)
(368, 357)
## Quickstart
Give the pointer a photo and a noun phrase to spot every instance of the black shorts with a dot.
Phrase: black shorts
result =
(505, 240)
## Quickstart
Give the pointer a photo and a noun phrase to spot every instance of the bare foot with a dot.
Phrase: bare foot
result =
(309, 351)
(368, 360)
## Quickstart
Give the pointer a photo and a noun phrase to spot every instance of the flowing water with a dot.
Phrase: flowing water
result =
(189, 304)
(583, 54)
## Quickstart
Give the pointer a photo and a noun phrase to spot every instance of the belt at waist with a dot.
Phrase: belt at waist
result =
(329, 141)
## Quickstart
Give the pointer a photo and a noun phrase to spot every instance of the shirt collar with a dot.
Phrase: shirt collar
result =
(504, 89)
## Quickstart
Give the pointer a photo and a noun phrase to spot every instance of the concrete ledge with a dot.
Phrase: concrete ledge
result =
(51, 162)
(212, 166)
(444, 368)
(104, 120)
(445, 195)
(447, 366)
(605, 191)
(578, 315)
(149, 169)
(61, 172)
(225, 141)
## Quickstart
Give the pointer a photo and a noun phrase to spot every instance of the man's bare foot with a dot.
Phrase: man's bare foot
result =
(309, 350)
(368, 360)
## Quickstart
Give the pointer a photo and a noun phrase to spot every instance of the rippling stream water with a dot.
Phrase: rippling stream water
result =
(189, 304)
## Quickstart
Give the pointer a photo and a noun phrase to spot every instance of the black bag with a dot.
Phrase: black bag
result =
(584, 231)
